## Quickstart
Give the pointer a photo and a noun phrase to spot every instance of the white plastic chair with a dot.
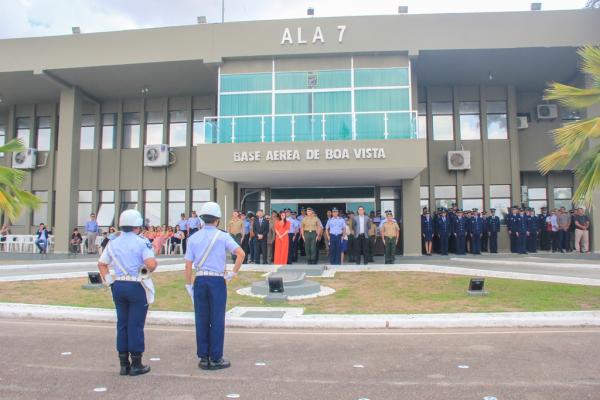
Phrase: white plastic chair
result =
(167, 247)
(83, 245)
(14, 243)
(28, 244)
(50, 243)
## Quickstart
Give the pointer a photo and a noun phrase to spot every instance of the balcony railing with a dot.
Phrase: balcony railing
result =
(310, 127)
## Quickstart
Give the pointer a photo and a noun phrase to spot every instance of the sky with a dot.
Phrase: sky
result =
(25, 18)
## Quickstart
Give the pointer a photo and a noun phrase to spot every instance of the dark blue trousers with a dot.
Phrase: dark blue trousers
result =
(335, 247)
(532, 242)
(460, 244)
(444, 245)
(493, 242)
(210, 298)
(476, 243)
(514, 242)
(522, 243)
(132, 307)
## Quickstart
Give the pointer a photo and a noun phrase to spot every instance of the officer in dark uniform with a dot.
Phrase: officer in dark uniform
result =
(492, 229)
(519, 230)
(443, 230)
(476, 231)
(545, 234)
(452, 216)
(129, 254)
(484, 237)
(427, 230)
(467, 217)
(511, 224)
(533, 228)
(459, 229)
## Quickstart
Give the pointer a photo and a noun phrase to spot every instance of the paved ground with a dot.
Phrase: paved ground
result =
(518, 364)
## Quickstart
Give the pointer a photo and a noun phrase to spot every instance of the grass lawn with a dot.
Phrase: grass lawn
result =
(356, 293)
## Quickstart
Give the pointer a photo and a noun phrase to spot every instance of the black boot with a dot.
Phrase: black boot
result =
(125, 364)
(219, 364)
(137, 368)
(204, 363)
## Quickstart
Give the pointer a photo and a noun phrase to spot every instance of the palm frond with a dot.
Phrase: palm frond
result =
(12, 146)
(590, 57)
(587, 128)
(588, 173)
(572, 97)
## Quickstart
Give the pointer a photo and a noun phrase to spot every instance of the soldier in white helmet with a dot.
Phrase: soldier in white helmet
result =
(130, 255)
(207, 254)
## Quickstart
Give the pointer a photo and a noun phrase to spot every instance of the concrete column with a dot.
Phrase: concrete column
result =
(67, 172)
(513, 135)
(411, 216)
(225, 197)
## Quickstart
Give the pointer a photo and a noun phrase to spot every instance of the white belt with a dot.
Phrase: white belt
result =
(209, 273)
(128, 278)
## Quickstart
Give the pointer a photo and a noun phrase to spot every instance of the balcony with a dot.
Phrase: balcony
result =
(286, 128)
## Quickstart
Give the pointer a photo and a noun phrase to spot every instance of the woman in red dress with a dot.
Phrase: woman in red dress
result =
(282, 241)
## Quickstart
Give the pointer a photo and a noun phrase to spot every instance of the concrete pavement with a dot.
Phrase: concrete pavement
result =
(523, 364)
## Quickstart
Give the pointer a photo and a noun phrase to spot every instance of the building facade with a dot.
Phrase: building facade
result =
(388, 112)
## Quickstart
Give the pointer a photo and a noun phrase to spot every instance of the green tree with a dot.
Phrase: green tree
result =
(13, 199)
(573, 139)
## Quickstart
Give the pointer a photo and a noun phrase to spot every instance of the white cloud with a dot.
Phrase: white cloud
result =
(23, 18)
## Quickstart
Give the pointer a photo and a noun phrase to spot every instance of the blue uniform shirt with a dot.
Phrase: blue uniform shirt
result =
(91, 226)
(198, 243)
(130, 250)
(246, 227)
(294, 225)
(194, 223)
(336, 225)
(183, 224)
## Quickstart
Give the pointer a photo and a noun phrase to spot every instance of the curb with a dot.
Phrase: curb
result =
(294, 318)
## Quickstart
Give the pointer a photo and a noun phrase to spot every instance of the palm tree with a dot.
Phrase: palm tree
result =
(13, 199)
(572, 139)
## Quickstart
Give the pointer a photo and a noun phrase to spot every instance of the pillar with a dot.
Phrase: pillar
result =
(67, 172)
(225, 197)
(411, 216)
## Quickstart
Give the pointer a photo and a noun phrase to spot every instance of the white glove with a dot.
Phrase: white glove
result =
(190, 290)
(108, 280)
(230, 275)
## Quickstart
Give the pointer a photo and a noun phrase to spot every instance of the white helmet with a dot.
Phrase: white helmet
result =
(131, 218)
(211, 208)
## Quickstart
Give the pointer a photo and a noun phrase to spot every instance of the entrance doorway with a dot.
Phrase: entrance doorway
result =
(322, 208)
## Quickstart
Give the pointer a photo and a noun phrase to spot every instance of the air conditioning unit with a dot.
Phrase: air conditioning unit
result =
(156, 155)
(26, 159)
(522, 123)
(547, 111)
(459, 160)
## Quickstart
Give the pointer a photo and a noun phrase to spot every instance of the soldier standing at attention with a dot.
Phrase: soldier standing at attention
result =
(476, 231)
(459, 230)
(427, 230)
(206, 252)
(128, 253)
(310, 231)
(235, 227)
(443, 230)
(492, 228)
(390, 233)
(533, 228)
(484, 236)
(350, 223)
(334, 230)
(372, 237)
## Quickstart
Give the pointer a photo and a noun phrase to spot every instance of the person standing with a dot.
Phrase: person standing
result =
(443, 230)
(301, 240)
(459, 231)
(390, 234)
(533, 229)
(334, 230)
(127, 253)
(351, 236)
(296, 229)
(564, 223)
(282, 239)
(235, 227)
(310, 231)
(91, 230)
(476, 231)
(207, 255)
(41, 239)
(545, 230)
(246, 236)
(362, 223)
(492, 228)
(511, 223)
(194, 223)
(261, 230)
(553, 222)
(372, 236)
(184, 227)
(582, 232)
(271, 236)
(484, 237)
(427, 230)
(520, 228)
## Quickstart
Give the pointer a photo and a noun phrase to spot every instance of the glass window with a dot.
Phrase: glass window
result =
(375, 77)
(381, 100)
(562, 198)
(106, 210)
(500, 191)
(154, 127)
(88, 128)
(198, 127)
(424, 196)
(2, 137)
(109, 130)
(40, 214)
(131, 130)
(129, 200)
(313, 80)
(472, 191)
(500, 199)
(84, 207)
(246, 82)
(176, 205)
(422, 121)
(443, 121)
(469, 204)
(43, 134)
(23, 130)
(178, 128)
(469, 120)
(152, 207)
(448, 192)
(497, 127)
(199, 197)
(245, 104)
(537, 198)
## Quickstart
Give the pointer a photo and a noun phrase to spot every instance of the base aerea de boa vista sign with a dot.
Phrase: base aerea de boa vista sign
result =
(361, 153)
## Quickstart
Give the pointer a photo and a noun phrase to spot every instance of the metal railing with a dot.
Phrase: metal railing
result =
(371, 125)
